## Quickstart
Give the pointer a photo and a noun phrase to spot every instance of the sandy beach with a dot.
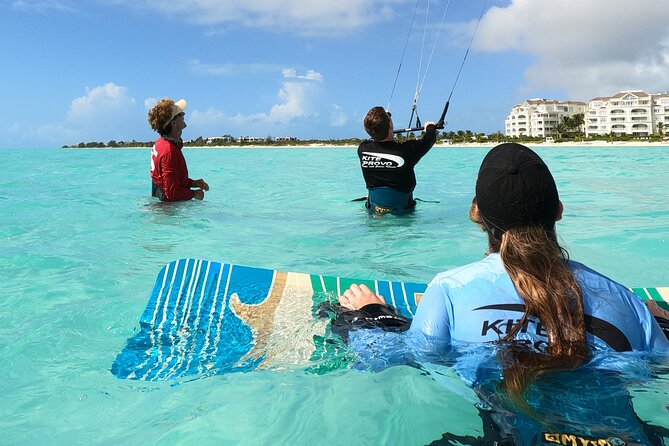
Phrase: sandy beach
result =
(324, 145)
(461, 145)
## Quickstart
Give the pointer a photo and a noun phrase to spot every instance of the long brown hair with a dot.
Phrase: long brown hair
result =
(537, 266)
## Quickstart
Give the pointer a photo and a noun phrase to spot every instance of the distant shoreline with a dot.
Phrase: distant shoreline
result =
(445, 146)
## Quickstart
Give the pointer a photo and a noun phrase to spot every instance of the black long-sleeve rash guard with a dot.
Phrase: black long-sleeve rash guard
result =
(391, 164)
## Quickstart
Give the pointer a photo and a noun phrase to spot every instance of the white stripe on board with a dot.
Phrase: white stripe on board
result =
(220, 319)
(323, 284)
(392, 294)
(404, 291)
(160, 360)
(192, 331)
(190, 292)
(177, 345)
(662, 291)
(155, 315)
(212, 311)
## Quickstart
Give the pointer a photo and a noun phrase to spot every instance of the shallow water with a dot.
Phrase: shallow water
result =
(81, 244)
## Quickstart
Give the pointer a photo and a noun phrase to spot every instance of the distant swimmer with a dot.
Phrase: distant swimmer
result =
(388, 166)
(169, 173)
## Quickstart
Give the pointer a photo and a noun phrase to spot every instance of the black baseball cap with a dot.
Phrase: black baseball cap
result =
(515, 188)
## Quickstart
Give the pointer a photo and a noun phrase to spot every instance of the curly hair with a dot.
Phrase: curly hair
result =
(377, 123)
(160, 116)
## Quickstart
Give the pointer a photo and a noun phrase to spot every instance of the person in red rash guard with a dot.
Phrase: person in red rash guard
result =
(169, 173)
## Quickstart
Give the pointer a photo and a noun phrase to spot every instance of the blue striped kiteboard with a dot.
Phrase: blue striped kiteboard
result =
(208, 317)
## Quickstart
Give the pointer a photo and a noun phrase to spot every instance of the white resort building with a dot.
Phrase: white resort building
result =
(635, 113)
(538, 117)
(251, 139)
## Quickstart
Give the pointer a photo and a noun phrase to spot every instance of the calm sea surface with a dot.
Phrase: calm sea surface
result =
(81, 243)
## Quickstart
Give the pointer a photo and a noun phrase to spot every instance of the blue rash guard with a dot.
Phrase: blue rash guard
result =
(462, 313)
(475, 305)
(478, 303)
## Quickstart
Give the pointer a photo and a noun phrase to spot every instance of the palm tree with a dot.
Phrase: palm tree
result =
(567, 123)
(497, 136)
(577, 122)
(660, 129)
(560, 128)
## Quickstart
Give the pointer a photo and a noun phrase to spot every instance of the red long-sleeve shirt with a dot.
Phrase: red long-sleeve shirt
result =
(169, 170)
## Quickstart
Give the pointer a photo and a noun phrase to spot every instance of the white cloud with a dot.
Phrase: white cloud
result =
(108, 101)
(298, 98)
(229, 69)
(585, 48)
(210, 118)
(296, 101)
(311, 75)
(48, 135)
(104, 113)
(43, 6)
(56, 134)
(338, 117)
(308, 17)
(149, 103)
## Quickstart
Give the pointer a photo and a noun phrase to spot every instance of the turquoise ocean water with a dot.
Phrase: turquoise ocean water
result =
(81, 243)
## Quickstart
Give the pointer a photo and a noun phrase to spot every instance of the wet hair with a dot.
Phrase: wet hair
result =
(377, 123)
(537, 266)
(160, 116)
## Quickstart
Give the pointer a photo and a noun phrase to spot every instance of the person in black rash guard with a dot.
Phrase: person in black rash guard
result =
(388, 166)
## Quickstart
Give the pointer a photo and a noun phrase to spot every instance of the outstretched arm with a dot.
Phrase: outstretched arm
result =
(432, 316)
(428, 140)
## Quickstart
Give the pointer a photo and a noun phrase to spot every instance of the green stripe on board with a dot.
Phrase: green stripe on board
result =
(330, 283)
(318, 296)
(641, 292)
(652, 294)
(345, 283)
(657, 297)
(330, 352)
(316, 283)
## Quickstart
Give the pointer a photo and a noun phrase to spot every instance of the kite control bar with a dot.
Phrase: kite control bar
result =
(440, 124)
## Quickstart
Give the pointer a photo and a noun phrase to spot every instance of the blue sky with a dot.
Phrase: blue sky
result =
(89, 70)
